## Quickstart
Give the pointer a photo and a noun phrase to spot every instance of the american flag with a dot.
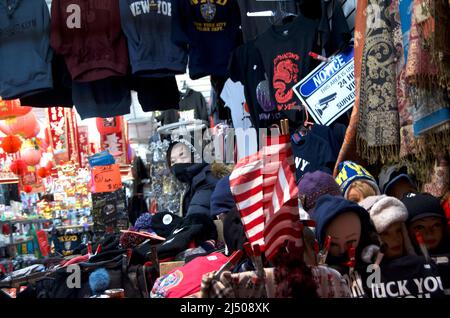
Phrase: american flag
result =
(266, 195)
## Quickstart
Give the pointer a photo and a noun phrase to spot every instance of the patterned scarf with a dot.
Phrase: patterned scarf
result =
(378, 138)
(427, 73)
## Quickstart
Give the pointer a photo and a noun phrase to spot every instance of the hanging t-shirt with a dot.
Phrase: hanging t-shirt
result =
(193, 103)
(148, 31)
(211, 31)
(246, 136)
(60, 94)
(311, 154)
(156, 93)
(284, 50)
(104, 98)
(246, 67)
(254, 26)
(285, 53)
(234, 98)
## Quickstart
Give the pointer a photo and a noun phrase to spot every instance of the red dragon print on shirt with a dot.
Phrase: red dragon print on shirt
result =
(285, 75)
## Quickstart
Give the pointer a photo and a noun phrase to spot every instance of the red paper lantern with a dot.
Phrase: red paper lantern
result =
(11, 144)
(27, 189)
(11, 108)
(31, 156)
(18, 167)
(43, 172)
(109, 126)
(26, 126)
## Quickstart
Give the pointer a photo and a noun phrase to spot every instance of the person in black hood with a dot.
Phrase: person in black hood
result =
(349, 226)
(186, 165)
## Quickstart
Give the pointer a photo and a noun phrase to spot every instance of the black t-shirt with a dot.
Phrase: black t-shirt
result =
(194, 101)
(156, 93)
(408, 277)
(211, 32)
(285, 54)
(246, 67)
(284, 50)
(312, 154)
(254, 26)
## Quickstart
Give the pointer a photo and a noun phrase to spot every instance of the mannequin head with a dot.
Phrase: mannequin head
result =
(432, 229)
(393, 238)
(426, 215)
(355, 182)
(388, 215)
(359, 190)
(401, 187)
(345, 231)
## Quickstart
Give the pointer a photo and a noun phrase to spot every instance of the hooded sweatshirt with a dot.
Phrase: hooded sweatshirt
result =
(88, 33)
(327, 208)
(25, 54)
(148, 31)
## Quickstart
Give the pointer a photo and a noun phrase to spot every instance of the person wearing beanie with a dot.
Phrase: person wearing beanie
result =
(186, 164)
(388, 215)
(394, 181)
(348, 225)
(355, 182)
(426, 215)
(315, 184)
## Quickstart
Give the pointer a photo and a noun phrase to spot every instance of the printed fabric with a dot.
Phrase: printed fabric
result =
(378, 128)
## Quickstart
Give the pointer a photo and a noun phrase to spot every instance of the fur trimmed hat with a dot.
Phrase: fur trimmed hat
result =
(384, 211)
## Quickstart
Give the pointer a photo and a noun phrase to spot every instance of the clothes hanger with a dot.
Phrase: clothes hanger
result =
(281, 16)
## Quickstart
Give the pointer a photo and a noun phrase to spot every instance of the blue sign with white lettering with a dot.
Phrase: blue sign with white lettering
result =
(329, 90)
(326, 72)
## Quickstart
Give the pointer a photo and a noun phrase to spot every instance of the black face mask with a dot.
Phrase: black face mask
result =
(185, 172)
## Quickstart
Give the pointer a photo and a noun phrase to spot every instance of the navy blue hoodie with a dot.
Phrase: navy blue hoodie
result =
(148, 32)
(211, 31)
(327, 208)
(25, 54)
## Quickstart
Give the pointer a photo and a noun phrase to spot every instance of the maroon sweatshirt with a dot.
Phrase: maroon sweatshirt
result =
(88, 33)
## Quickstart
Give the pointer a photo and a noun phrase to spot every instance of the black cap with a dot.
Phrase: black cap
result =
(422, 205)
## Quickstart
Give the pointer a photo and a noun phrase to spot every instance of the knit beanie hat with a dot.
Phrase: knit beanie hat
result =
(384, 211)
(144, 223)
(350, 171)
(315, 184)
(391, 174)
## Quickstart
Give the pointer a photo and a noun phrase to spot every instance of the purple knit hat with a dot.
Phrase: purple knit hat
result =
(315, 184)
